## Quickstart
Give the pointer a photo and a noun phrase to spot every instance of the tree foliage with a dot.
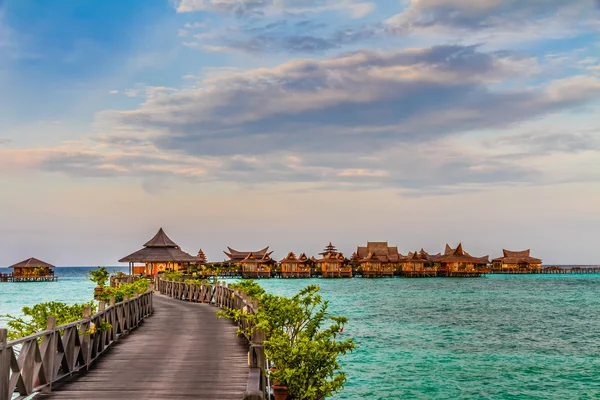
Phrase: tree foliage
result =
(301, 339)
(99, 276)
(35, 318)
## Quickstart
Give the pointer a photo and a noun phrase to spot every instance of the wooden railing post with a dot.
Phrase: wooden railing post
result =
(85, 338)
(48, 349)
(5, 354)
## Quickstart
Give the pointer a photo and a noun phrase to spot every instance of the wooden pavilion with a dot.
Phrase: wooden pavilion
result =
(377, 259)
(333, 263)
(159, 254)
(295, 267)
(516, 261)
(33, 270)
(257, 267)
(457, 262)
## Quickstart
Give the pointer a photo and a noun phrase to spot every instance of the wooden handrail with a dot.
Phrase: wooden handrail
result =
(33, 363)
(223, 296)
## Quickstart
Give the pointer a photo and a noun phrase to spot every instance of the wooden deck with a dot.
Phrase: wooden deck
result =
(182, 352)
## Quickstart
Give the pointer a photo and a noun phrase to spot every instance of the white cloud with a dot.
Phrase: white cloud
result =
(355, 8)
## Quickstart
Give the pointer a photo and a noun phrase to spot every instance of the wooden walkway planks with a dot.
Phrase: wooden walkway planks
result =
(182, 352)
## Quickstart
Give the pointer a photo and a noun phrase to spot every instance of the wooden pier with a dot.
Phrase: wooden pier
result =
(183, 351)
(12, 278)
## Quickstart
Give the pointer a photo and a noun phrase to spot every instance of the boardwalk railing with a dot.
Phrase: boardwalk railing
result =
(33, 363)
(223, 296)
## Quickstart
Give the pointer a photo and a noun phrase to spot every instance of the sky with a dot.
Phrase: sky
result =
(293, 123)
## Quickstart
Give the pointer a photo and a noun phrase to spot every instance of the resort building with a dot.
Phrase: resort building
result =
(257, 267)
(159, 254)
(334, 264)
(32, 269)
(295, 267)
(236, 257)
(516, 260)
(378, 259)
(457, 262)
(418, 264)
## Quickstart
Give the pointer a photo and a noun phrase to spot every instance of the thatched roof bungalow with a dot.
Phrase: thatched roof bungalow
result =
(32, 268)
(254, 266)
(295, 267)
(159, 254)
(378, 259)
(458, 261)
(512, 260)
(333, 264)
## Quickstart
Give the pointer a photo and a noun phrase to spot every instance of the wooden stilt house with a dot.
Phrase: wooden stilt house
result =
(295, 267)
(377, 259)
(457, 262)
(32, 270)
(257, 267)
(516, 261)
(333, 264)
(159, 254)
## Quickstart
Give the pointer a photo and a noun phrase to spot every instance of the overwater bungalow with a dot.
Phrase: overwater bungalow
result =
(257, 267)
(32, 270)
(159, 254)
(516, 261)
(295, 267)
(418, 264)
(457, 262)
(334, 264)
(377, 259)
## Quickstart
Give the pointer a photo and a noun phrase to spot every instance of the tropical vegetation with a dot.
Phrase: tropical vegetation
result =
(301, 339)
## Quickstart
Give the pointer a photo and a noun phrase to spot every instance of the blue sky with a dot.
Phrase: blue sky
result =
(293, 123)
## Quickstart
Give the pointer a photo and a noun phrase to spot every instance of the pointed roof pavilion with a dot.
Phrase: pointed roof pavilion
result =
(160, 249)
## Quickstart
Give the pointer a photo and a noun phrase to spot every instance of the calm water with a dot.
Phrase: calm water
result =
(499, 337)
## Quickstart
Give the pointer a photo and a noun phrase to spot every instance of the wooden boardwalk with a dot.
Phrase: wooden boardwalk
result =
(182, 352)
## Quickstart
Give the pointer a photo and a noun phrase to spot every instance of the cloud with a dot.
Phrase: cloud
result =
(347, 103)
(4, 141)
(253, 8)
(360, 120)
(542, 19)
(545, 143)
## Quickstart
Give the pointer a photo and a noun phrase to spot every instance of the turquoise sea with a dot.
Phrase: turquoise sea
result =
(498, 337)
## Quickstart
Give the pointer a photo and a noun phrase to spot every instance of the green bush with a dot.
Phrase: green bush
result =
(35, 318)
(125, 289)
(303, 350)
(99, 276)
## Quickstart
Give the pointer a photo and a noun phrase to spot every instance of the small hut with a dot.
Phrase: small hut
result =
(516, 261)
(159, 254)
(257, 267)
(33, 270)
(295, 267)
